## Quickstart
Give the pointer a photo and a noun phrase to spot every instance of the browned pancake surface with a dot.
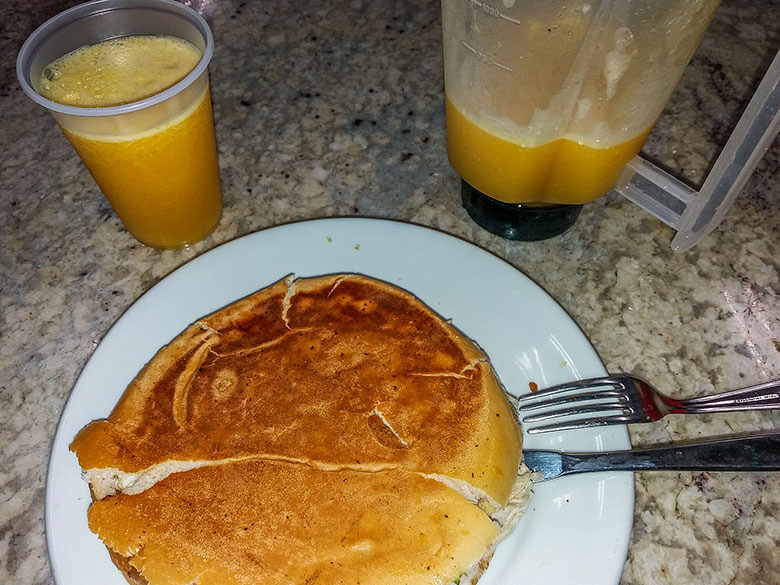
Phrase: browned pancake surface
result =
(338, 371)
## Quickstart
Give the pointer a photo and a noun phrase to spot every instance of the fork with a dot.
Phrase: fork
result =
(624, 399)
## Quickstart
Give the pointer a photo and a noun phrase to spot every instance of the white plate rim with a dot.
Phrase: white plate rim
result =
(574, 526)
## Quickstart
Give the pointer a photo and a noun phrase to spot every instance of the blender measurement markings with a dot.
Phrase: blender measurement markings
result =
(487, 59)
(488, 9)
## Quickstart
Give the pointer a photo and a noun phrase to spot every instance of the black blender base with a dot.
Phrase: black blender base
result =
(515, 221)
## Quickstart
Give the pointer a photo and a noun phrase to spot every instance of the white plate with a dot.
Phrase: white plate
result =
(575, 528)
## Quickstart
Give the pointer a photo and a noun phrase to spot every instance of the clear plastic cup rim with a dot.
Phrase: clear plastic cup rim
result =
(52, 24)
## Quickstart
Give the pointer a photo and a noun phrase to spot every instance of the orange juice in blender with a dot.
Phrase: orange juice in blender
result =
(137, 110)
(563, 171)
(546, 102)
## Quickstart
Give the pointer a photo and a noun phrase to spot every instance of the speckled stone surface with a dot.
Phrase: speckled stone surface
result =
(335, 109)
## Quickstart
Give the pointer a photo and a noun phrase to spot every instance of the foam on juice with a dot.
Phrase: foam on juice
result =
(118, 71)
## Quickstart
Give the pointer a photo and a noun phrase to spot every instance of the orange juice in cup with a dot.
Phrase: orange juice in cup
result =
(136, 107)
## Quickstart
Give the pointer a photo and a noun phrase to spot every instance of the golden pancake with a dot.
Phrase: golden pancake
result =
(341, 398)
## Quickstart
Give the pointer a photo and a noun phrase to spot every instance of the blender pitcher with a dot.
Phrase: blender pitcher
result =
(546, 101)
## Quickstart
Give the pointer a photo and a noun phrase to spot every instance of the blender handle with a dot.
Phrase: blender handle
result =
(750, 139)
(663, 195)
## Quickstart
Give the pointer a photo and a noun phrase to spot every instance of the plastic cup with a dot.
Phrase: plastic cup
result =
(154, 159)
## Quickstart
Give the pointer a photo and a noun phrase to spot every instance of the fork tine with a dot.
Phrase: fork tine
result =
(580, 409)
(580, 424)
(565, 399)
(585, 384)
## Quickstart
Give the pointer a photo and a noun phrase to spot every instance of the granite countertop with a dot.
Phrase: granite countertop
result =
(335, 108)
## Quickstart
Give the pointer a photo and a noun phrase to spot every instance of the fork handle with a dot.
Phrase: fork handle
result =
(758, 397)
(758, 452)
